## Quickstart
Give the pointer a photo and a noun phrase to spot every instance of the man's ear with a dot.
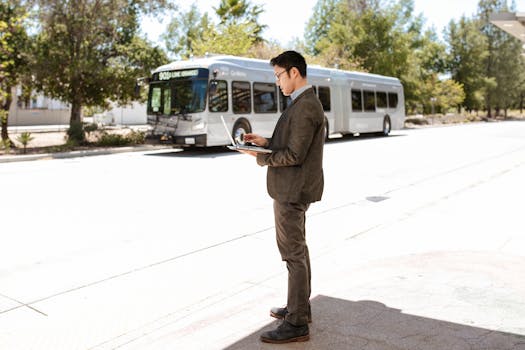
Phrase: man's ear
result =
(294, 72)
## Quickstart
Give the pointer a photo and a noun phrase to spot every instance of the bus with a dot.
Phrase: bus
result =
(187, 98)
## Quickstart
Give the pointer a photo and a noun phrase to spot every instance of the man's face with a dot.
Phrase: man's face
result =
(284, 80)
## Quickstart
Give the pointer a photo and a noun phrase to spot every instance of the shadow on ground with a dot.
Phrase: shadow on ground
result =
(216, 152)
(208, 152)
(368, 325)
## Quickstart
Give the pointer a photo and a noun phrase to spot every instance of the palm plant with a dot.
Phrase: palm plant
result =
(24, 138)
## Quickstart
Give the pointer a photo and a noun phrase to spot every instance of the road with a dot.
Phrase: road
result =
(140, 250)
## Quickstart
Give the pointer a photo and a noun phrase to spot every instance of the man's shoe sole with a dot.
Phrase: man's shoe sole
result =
(291, 340)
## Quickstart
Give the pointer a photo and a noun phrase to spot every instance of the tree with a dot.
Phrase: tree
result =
(88, 52)
(468, 50)
(227, 39)
(376, 36)
(14, 44)
(439, 96)
(503, 64)
(318, 26)
(241, 12)
(185, 30)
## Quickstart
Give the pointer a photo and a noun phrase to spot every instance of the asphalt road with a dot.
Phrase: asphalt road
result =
(175, 250)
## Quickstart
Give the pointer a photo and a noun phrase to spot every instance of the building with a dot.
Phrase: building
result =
(512, 23)
(42, 110)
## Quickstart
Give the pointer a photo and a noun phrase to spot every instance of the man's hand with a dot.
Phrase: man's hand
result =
(256, 140)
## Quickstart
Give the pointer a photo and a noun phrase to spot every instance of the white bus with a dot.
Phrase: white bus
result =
(187, 98)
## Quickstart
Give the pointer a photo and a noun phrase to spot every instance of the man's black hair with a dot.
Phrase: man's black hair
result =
(290, 59)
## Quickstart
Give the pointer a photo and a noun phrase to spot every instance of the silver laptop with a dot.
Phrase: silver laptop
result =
(236, 147)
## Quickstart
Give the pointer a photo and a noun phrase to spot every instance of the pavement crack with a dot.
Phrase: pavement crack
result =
(20, 305)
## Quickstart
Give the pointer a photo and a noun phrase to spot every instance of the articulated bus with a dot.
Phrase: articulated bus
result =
(187, 98)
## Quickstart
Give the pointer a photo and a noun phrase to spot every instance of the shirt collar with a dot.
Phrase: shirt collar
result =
(299, 91)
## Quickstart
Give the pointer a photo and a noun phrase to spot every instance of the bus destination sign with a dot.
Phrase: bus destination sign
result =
(175, 74)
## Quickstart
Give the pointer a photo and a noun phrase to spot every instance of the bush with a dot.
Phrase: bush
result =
(416, 120)
(89, 128)
(24, 138)
(136, 137)
(112, 140)
(6, 145)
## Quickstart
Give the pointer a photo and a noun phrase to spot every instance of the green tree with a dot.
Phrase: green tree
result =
(318, 26)
(439, 96)
(14, 55)
(503, 64)
(377, 36)
(227, 39)
(468, 50)
(87, 51)
(241, 12)
(185, 30)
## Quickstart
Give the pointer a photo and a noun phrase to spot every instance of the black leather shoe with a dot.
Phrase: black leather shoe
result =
(286, 333)
(280, 313)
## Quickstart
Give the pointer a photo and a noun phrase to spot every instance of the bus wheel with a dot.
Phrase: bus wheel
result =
(240, 128)
(386, 126)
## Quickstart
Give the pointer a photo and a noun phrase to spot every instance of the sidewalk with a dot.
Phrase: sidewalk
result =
(433, 263)
(55, 135)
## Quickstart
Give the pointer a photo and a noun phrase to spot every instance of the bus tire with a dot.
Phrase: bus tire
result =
(387, 126)
(241, 127)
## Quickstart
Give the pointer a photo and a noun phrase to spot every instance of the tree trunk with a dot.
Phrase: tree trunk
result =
(5, 109)
(76, 115)
(75, 132)
(521, 103)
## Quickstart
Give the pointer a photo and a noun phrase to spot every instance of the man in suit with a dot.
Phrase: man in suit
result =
(294, 181)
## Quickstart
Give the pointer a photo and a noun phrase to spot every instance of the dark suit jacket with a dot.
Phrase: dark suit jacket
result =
(295, 167)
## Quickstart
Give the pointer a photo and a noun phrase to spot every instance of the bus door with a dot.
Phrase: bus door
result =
(341, 110)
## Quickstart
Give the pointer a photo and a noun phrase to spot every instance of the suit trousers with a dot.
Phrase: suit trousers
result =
(291, 241)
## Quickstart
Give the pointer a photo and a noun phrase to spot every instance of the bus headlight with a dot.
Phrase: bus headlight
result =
(198, 125)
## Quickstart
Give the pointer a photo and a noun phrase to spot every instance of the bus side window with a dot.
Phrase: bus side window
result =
(392, 100)
(241, 97)
(264, 98)
(357, 101)
(285, 100)
(370, 101)
(381, 99)
(324, 96)
(218, 93)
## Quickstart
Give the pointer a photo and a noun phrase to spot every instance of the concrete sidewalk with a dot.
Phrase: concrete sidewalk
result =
(435, 262)
(55, 135)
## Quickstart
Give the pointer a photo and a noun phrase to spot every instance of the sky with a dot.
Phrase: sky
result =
(286, 19)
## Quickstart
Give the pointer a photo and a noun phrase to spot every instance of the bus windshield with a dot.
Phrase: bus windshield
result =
(177, 96)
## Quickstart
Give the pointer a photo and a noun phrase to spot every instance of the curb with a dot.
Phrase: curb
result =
(76, 154)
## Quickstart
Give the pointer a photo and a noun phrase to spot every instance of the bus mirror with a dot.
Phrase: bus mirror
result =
(213, 87)
(137, 90)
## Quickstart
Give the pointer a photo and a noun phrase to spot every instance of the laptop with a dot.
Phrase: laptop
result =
(236, 147)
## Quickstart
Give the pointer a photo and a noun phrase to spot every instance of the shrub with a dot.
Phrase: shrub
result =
(24, 138)
(136, 137)
(110, 140)
(6, 145)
